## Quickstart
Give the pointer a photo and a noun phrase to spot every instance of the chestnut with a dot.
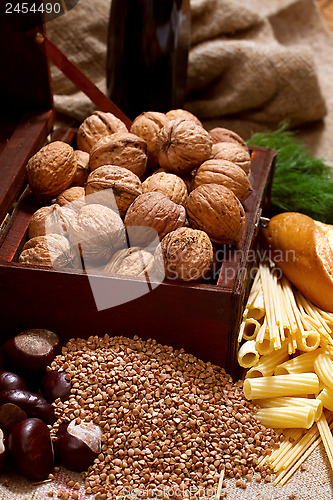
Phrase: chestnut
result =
(77, 445)
(10, 415)
(2, 450)
(30, 447)
(9, 380)
(55, 385)
(33, 404)
(31, 351)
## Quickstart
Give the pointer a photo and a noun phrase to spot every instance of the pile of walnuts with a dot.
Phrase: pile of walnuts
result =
(167, 187)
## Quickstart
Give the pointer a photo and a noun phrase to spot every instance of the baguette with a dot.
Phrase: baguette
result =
(303, 249)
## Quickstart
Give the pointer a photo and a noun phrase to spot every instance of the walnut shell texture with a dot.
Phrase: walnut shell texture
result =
(187, 254)
(220, 134)
(71, 194)
(182, 146)
(82, 168)
(234, 153)
(226, 173)
(114, 187)
(147, 126)
(183, 114)
(47, 220)
(217, 211)
(51, 250)
(169, 184)
(99, 232)
(152, 213)
(96, 126)
(51, 169)
(123, 150)
(133, 261)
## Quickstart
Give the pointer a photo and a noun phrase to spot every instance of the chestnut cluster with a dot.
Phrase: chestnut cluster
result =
(27, 391)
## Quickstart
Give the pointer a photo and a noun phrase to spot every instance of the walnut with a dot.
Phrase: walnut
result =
(51, 169)
(98, 231)
(152, 213)
(169, 184)
(133, 261)
(226, 173)
(187, 254)
(115, 187)
(182, 146)
(96, 126)
(147, 125)
(232, 152)
(51, 250)
(176, 114)
(220, 134)
(215, 209)
(82, 168)
(46, 220)
(71, 194)
(123, 150)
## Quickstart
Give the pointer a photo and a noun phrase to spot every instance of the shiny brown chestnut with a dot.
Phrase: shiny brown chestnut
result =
(30, 447)
(33, 404)
(2, 450)
(77, 445)
(55, 385)
(30, 351)
(10, 415)
(10, 380)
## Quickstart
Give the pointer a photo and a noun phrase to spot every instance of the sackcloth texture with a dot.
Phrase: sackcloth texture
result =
(251, 64)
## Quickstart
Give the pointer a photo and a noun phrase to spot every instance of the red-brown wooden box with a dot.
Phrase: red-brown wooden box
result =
(202, 318)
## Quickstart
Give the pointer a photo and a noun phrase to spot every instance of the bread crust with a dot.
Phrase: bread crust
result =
(303, 249)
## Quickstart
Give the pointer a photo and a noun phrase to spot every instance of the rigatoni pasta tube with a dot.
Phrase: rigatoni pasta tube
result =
(281, 385)
(248, 355)
(323, 366)
(316, 404)
(326, 397)
(295, 417)
(251, 328)
(299, 364)
(267, 364)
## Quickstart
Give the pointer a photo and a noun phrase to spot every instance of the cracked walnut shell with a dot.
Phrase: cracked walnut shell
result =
(51, 169)
(96, 126)
(123, 150)
(187, 254)
(227, 174)
(217, 211)
(152, 214)
(234, 153)
(50, 250)
(169, 184)
(147, 126)
(114, 187)
(133, 261)
(182, 146)
(98, 231)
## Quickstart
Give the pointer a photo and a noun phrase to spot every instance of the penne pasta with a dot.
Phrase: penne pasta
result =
(297, 417)
(248, 355)
(299, 364)
(323, 366)
(267, 363)
(281, 385)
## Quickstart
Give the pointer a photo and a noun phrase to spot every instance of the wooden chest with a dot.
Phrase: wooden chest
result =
(202, 318)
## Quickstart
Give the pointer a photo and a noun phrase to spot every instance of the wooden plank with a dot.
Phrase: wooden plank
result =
(28, 137)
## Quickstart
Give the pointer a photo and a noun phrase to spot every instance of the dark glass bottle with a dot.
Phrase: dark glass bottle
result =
(148, 45)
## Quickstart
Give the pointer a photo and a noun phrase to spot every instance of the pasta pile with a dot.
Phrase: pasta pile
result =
(287, 349)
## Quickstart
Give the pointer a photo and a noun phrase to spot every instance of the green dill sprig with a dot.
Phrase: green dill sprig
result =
(301, 183)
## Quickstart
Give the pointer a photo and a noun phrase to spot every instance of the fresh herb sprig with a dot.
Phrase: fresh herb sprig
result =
(301, 183)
